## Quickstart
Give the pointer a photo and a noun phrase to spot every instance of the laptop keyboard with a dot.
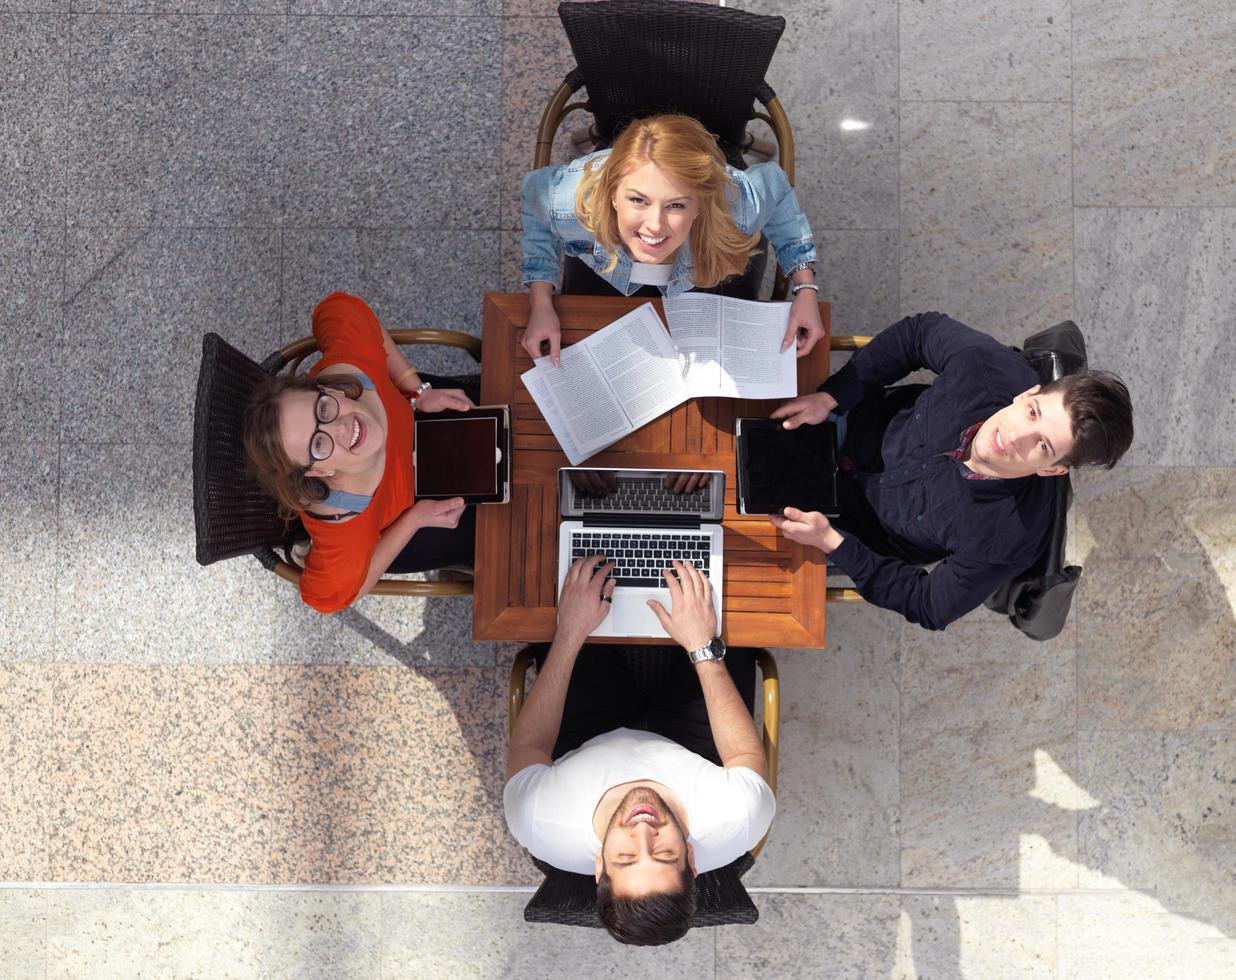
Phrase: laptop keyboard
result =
(636, 495)
(639, 558)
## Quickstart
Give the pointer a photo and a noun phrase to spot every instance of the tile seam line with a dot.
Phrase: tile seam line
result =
(529, 889)
(261, 16)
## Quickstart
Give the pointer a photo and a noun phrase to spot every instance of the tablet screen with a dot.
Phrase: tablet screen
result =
(455, 456)
(788, 468)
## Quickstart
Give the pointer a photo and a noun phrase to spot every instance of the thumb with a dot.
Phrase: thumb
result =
(793, 513)
(662, 615)
(791, 334)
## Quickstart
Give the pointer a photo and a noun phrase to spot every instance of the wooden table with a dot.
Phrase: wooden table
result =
(773, 592)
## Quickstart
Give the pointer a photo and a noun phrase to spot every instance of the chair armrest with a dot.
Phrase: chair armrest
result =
(771, 683)
(515, 688)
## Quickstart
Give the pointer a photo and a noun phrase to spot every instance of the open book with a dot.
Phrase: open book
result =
(631, 371)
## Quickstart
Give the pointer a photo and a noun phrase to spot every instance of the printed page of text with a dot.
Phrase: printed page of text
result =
(695, 327)
(752, 362)
(577, 403)
(638, 360)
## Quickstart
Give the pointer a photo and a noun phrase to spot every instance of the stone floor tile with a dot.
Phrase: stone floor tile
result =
(361, 150)
(983, 673)
(25, 792)
(225, 7)
(1146, 511)
(985, 936)
(535, 58)
(549, 8)
(1128, 934)
(857, 273)
(380, 631)
(23, 941)
(321, 935)
(139, 302)
(986, 51)
(812, 936)
(983, 809)
(484, 937)
(33, 104)
(1145, 274)
(162, 774)
(1155, 644)
(400, 8)
(409, 278)
(1153, 90)
(30, 327)
(127, 586)
(28, 547)
(1164, 820)
(986, 222)
(176, 120)
(384, 775)
(837, 810)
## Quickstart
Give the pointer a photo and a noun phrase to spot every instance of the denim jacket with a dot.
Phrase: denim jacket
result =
(764, 201)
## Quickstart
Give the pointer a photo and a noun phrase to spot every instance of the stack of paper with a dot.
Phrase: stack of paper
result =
(631, 371)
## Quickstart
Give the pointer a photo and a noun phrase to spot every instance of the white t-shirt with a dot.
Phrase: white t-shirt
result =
(549, 808)
(651, 273)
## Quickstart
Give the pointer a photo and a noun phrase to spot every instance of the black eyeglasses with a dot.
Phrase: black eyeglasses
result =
(325, 410)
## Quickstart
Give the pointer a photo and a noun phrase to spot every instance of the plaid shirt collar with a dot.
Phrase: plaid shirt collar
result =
(959, 453)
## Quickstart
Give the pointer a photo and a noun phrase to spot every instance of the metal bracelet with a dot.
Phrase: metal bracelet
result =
(794, 290)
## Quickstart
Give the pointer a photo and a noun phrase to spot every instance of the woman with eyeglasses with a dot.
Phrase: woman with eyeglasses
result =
(335, 449)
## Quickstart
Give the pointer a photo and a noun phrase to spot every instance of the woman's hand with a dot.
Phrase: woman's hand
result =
(586, 599)
(543, 327)
(438, 399)
(805, 326)
(436, 513)
(805, 410)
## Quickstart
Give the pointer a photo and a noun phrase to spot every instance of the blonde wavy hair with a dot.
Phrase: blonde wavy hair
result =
(684, 149)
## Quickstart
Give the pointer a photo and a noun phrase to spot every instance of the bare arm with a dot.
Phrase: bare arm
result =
(581, 610)
(693, 623)
(424, 513)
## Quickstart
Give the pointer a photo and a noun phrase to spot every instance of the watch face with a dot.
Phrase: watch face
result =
(716, 648)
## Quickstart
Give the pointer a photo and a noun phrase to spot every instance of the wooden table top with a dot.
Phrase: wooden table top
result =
(773, 593)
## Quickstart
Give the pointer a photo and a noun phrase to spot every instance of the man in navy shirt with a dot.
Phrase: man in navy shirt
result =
(960, 471)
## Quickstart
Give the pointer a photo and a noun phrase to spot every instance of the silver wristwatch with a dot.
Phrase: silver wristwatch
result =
(714, 649)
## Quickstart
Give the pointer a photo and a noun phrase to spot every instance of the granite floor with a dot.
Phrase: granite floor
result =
(203, 779)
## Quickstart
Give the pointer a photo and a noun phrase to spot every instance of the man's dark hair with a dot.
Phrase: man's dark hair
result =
(652, 920)
(1100, 415)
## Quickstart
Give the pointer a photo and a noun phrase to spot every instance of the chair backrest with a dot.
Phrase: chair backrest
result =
(232, 514)
(643, 57)
(570, 899)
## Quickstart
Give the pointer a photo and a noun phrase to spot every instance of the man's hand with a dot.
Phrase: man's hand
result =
(543, 328)
(685, 482)
(693, 621)
(809, 528)
(439, 399)
(586, 599)
(805, 410)
(805, 327)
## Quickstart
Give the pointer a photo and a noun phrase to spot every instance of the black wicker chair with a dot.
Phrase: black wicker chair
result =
(1037, 601)
(640, 58)
(233, 516)
(565, 898)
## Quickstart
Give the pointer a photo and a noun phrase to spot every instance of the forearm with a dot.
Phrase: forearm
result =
(541, 294)
(536, 727)
(398, 367)
(393, 540)
(733, 729)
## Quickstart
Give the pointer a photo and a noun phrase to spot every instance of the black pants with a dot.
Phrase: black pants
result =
(437, 547)
(649, 688)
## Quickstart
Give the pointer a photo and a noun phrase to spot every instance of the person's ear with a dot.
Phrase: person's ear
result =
(1028, 393)
(600, 866)
(1053, 471)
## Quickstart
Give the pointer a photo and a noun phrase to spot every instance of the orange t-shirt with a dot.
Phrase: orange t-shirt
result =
(348, 332)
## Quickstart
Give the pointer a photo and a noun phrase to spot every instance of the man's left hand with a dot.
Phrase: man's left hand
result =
(586, 599)
(805, 327)
(807, 527)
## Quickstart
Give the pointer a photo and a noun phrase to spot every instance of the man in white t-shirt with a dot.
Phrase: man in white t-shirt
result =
(640, 811)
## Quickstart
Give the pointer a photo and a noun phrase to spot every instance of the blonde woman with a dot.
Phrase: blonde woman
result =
(661, 211)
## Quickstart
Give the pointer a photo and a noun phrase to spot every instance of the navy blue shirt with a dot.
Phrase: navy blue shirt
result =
(905, 502)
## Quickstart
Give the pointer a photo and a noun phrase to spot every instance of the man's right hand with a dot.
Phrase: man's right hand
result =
(805, 410)
(693, 620)
(543, 327)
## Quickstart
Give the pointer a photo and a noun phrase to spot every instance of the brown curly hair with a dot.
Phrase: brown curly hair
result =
(269, 464)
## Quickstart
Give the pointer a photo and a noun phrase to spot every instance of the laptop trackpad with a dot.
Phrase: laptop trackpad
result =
(633, 617)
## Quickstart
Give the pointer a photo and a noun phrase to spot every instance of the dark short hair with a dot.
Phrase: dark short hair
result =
(652, 920)
(1100, 415)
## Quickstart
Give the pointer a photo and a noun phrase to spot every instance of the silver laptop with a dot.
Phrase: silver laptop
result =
(641, 520)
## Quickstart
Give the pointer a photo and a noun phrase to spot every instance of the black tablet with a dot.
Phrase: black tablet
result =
(779, 468)
(462, 454)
